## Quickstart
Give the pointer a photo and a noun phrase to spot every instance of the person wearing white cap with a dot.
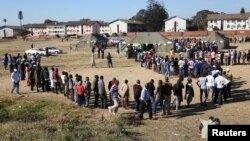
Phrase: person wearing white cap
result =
(15, 77)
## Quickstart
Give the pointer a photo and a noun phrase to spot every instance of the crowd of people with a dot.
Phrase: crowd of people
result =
(203, 64)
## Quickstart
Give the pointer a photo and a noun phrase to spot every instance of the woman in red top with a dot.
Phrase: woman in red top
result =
(80, 94)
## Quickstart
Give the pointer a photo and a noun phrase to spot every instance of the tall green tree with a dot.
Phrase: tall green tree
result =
(242, 11)
(153, 16)
(200, 19)
(20, 17)
(5, 20)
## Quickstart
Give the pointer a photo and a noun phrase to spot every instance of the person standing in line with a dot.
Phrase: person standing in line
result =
(80, 94)
(5, 61)
(160, 98)
(238, 57)
(189, 94)
(87, 90)
(125, 94)
(92, 60)
(109, 59)
(229, 77)
(95, 90)
(167, 92)
(244, 56)
(102, 92)
(210, 86)
(145, 102)
(137, 88)
(114, 91)
(151, 89)
(203, 89)
(177, 88)
(71, 87)
(220, 83)
(15, 78)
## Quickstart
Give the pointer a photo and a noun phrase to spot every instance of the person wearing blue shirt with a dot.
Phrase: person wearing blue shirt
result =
(145, 102)
(5, 60)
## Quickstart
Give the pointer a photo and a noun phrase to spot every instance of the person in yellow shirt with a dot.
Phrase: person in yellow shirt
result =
(125, 94)
(171, 53)
(230, 79)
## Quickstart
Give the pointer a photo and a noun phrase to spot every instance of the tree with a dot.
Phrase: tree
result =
(140, 16)
(20, 17)
(242, 11)
(85, 19)
(5, 20)
(153, 16)
(200, 19)
(49, 21)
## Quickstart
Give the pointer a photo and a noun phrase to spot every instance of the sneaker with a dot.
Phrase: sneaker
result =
(109, 109)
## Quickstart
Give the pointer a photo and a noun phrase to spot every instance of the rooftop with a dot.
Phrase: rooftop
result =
(224, 16)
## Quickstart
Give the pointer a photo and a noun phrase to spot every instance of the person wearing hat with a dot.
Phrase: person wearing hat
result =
(137, 88)
(15, 77)
(230, 79)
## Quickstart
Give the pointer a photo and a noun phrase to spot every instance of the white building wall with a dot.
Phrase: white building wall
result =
(8, 32)
(123, 27)
(56, 30)
(229, 24)
(37, 31)
(181, 26)
(74, 30)
(104, 29)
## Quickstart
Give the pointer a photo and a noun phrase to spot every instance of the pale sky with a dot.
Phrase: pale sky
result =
(36, 11)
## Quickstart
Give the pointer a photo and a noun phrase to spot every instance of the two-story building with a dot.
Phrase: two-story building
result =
(36, 29)
(175, 24)
(228, 21)
(125, 26)
(56, 28)
(104, 28)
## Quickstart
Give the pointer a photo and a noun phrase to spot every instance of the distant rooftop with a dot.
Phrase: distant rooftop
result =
(128, 21)
(224, 16)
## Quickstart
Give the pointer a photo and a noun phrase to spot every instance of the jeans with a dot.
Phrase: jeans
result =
(158, 100)
(103, 101)
(177, 102)
(203, 100)
(15, 85)
(114, 108)
(137, 104)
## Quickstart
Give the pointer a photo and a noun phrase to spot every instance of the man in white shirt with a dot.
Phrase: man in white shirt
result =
(15, 78)
(181, 64)
(210, 86)
(220, 82)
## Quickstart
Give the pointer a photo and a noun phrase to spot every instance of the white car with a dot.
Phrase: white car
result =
(32, 51)
(53, 50)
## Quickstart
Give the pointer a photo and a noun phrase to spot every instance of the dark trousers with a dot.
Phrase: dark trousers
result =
(46, 86)
(5, 65)
(220, 93)
(137, 104)
(103, 101)
(58, 87)
(110, 64)
(228, 91)
(96, 99)
(142, 108)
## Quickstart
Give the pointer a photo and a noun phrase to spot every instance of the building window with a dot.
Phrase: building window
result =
(228, 26)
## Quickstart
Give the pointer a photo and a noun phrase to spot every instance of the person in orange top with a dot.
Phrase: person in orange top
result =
(80, 94)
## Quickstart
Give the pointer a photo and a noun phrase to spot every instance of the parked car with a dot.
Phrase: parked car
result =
(32, 51)
(53, 50)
